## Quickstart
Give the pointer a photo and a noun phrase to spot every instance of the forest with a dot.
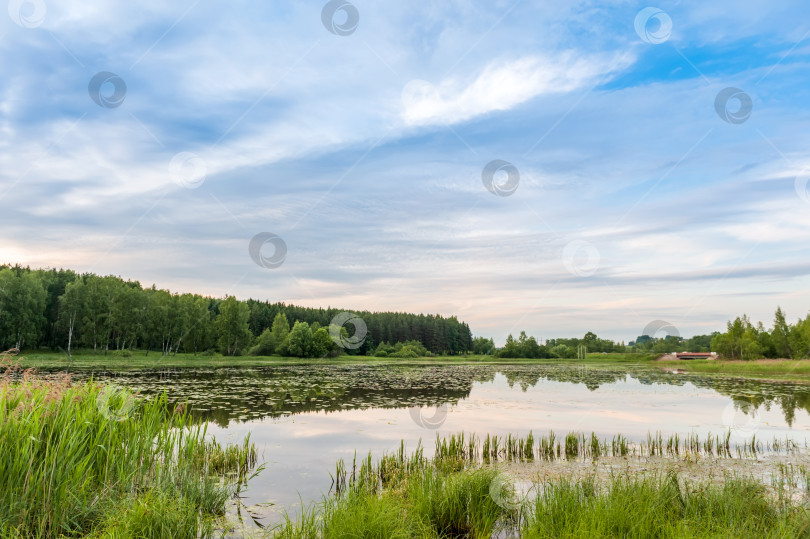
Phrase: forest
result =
(62, 309)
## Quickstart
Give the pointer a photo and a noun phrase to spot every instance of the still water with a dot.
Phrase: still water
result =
(304, 418)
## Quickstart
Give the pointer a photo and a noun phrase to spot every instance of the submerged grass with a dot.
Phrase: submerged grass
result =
(91, 459)
(461, 450)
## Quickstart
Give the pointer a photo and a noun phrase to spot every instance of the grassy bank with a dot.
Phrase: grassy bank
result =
(138, 359)
(458, 494)
(772, 369)
(764, 369)
(94, 460)
(432, 504)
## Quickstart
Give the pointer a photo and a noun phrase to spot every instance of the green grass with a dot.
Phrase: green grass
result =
(764, 368)
(138, 359)
(427, 503)
(457, 495)
(433, 500)
(91, 459)
(661, 507)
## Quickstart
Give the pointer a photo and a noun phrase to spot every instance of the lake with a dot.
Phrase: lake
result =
(304, 418)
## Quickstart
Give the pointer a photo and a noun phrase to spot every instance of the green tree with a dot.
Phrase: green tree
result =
(158, 325)
(96, 310)
(199, 335)
(323, 345)
(265, 344)
(71, 305)
(799, 338)
(22, 307)
(780, 335)
(280, 330)
(299, 342)
(564, 351)
(483, 346)
(232, 326)
(721, 343)
(510, 349)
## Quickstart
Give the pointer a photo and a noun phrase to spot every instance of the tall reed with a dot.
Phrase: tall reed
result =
(83, 458)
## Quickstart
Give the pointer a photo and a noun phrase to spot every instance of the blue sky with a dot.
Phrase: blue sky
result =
(636, 201)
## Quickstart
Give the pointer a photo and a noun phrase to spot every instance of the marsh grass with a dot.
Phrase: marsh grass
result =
(774, 369)
(460, 450)
(455, 494)
(661, 506)
(425, 502)
(90, 459)
(460, 494)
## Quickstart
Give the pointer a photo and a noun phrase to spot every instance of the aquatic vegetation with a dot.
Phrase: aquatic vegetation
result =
(580, 446)
(458, 495)
(90, 458)
(662, 506)
(423, 502)
(224, 394)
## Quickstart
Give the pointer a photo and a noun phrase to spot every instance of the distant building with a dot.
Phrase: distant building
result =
(696, 355)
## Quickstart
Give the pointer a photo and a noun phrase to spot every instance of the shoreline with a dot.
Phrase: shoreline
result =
(777, 370)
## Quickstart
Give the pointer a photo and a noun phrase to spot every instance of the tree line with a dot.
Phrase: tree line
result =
(744, 340)
(62, 309)
(672, 343)
(529, 347)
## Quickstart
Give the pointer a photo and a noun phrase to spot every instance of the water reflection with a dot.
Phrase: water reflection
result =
(227, 395)
(304, 418)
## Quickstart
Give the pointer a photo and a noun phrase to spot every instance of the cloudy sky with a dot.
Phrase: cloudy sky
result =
(556, 167)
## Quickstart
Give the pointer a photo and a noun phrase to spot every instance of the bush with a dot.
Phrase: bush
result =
(405, 351)
(265, 344)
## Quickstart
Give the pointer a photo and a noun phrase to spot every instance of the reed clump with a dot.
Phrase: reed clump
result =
(91, 459)
(460, 450)
(660, 506)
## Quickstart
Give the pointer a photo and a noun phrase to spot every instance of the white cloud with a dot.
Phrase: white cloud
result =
(504, 85)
